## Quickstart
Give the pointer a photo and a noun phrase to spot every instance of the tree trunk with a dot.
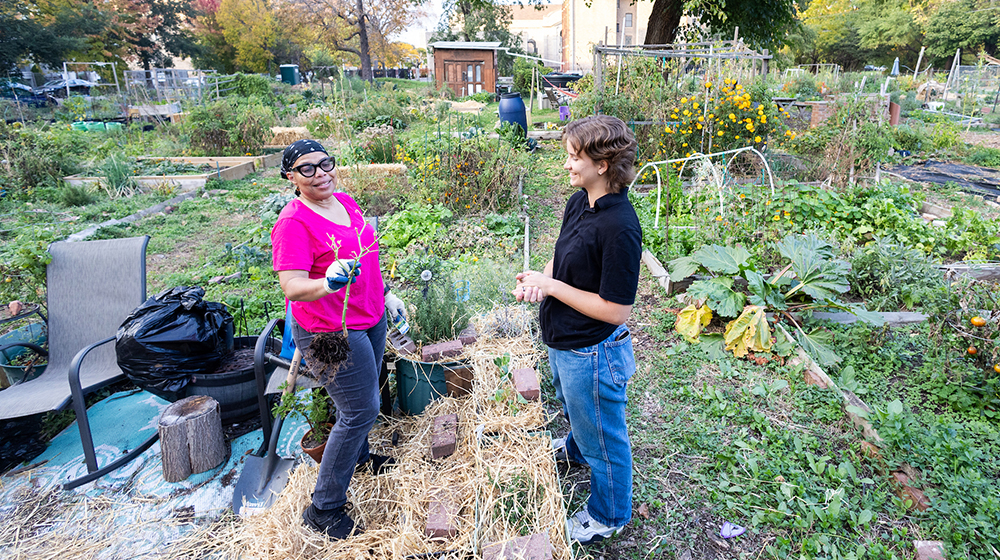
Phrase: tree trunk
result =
(663, 22)
(366, 57)
(191, 439)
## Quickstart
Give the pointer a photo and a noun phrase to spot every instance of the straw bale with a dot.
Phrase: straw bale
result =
(285, 135)
(370, 178)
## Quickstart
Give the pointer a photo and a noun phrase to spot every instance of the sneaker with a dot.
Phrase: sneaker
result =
(584, 529)
(376, 464)
(334, 523)
(561, 455)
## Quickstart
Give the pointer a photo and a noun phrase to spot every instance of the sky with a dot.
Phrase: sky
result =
(416, 34)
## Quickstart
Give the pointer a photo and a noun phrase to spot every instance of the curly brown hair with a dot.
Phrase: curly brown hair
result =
(606, 138)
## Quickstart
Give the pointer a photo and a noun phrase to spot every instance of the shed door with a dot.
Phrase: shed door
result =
(464, 77)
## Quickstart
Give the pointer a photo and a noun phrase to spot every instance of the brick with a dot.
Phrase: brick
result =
(458, 380)
(441, 515)
(468, 336)
(531, 547)
(402, 343)
(434, 352)
(526, 383)
(929, 550)
(907, 491)
(444, 438)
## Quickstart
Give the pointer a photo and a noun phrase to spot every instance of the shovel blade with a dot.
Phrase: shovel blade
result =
(262, 479)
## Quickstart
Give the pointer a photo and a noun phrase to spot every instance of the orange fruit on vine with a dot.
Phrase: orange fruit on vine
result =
(996, 368)
(978, 321)
(972, 351)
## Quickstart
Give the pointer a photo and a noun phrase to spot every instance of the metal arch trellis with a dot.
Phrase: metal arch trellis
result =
(655, 165)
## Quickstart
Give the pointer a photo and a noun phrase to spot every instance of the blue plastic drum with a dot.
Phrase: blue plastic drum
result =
(512, 110)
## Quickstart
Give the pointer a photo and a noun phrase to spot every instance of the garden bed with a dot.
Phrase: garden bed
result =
(182, 183)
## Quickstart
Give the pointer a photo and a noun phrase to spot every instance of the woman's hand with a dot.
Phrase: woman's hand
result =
(532, 286)
(340, 273)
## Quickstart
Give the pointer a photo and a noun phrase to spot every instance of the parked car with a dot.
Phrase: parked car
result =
(58, 87)
(14, 90)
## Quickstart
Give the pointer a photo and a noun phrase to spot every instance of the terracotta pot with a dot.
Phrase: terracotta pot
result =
(315, 452)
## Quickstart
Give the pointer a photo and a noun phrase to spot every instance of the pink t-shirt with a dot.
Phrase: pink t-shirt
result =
(302, 240)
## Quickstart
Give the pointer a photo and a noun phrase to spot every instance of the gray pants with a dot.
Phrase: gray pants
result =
(355, 393)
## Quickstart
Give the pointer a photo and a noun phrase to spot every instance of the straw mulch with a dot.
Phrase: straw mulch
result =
(285, 135)
(502, 476)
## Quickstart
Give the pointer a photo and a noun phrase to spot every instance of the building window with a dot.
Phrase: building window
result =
(628, 39)
(628, 20)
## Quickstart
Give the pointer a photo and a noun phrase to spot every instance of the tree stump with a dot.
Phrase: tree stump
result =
(191, 439)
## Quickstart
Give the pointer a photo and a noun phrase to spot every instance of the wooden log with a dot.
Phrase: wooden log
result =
(191, 439)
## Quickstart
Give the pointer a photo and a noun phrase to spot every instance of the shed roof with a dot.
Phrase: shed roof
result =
(467, 45)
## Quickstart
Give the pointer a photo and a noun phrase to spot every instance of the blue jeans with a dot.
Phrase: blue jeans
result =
(355, 393)
(591, 384)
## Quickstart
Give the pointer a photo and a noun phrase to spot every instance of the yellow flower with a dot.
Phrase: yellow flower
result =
(701, 119)
(708, 85)
(776, 218)
(756, 139)
(768, 203)
(684, 145)
(742, 195)
(718, 218)
(737, 136)
(695, 105)
(720, 133)
(699, 126)
(684, 100)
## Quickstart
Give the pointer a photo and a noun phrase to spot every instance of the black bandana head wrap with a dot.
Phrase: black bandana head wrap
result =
(296, 150)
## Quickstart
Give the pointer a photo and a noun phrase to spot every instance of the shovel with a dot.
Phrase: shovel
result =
(263, 478)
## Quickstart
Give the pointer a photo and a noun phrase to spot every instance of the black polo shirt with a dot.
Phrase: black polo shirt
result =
(598, 251)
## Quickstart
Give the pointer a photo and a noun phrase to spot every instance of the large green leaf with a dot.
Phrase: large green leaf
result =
(682, 267)
(817, 273)
(691, 320)
(714, 346)
(718, 294)
(722, 260)
(817, 345)
(763, 293)
(749, 331)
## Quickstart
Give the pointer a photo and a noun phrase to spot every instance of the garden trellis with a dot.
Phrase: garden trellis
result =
(719, 52)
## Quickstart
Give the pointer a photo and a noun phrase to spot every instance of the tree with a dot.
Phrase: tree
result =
(835, 35)
(480, 20)
(249, 26)
(214, 51)
(45, 33)
(357, 27)
(723, 17)
(970, 25)
(172, 35)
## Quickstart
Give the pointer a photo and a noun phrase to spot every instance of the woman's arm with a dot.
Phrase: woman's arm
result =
(297, 285)
(534, 286)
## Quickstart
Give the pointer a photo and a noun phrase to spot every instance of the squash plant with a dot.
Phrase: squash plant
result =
(812, 279)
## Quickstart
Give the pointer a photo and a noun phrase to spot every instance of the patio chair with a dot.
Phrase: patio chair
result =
(91, 287)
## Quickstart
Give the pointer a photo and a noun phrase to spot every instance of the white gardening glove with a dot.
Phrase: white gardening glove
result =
(340, 273)
(394, 307)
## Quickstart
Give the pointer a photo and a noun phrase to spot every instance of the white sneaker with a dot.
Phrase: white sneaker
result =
(584, 529)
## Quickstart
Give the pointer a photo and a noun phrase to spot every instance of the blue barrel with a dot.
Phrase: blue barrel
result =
(512, 110)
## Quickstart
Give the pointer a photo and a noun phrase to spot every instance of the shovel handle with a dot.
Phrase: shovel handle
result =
(293, 372)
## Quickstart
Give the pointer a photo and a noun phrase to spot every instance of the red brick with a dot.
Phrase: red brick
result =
(929, 550)
(444, 438)
(908, 492)
(434, 352)
(526, 383)
(468, 336)
(531, 547)
(441, 515)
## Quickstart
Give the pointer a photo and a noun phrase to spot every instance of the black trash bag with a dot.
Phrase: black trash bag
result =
(171, 337)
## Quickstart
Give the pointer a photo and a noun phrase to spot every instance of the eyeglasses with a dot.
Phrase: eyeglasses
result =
(309, 169)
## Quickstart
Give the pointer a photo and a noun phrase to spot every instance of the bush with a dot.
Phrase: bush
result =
(439, 314)
(31, 159)
(890, 276)
(985, 156)
(250, 85)
(230, 126)
(522, 74)
(908, 138)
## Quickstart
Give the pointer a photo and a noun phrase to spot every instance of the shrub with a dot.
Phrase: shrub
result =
(522, 74)
(439, 314)
(378, 144)
(890, 276)
(31, 159)
(74, 195)
(908, 138)
(230, 126)
(985, 156)
(253, 85)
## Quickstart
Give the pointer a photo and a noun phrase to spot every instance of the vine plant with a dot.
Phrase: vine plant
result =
(812, 280)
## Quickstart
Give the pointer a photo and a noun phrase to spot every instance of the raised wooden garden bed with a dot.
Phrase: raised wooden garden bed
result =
(226, 168)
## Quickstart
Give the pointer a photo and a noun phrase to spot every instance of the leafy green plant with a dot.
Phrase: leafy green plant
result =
(889, 276)
(76, 195)
(118, 179)
(378, 144)
(230, 126)
(812, 279)
(439, 313)
(417, 223)
(970, 236)
(312, 406)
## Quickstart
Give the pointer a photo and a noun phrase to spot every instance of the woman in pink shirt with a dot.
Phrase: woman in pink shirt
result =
(321, 242)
